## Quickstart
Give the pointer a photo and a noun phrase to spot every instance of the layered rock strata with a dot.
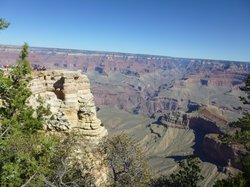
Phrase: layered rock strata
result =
(67, 94)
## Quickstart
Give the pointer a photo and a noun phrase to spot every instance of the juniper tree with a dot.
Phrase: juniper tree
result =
(125, 160)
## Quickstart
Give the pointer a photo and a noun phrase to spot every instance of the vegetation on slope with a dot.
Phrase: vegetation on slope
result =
(25, 152)
(128, 166)
(187, 176)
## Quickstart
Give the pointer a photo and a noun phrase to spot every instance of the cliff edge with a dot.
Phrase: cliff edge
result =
(68, 97)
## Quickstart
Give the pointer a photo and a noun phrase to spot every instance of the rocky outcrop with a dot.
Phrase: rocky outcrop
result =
(208, 119)
(208, 124)
(68, 96)
(223, 154)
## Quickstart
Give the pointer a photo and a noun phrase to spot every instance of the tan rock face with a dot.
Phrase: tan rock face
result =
(68, 95)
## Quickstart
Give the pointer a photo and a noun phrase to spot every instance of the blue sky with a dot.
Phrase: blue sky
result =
(213, 29)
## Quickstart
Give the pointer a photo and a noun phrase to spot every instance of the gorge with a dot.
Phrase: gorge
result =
(174, 107)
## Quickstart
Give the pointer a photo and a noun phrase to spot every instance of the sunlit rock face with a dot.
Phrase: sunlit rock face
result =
(67, 94)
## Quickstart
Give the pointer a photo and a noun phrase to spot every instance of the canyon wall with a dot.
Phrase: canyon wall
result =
(223, 154)
(146, 84)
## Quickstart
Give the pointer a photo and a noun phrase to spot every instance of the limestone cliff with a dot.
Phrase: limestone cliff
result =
(67, 95)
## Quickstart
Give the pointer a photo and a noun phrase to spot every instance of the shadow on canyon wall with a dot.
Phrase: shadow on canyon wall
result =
(201, 128)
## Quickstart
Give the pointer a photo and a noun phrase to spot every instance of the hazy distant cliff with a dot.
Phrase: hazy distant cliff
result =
(145, 84)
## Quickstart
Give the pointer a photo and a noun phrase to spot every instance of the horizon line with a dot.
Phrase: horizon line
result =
(125, 53)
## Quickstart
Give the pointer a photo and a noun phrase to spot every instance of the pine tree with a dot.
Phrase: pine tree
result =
(25, 151)
(3, 24)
